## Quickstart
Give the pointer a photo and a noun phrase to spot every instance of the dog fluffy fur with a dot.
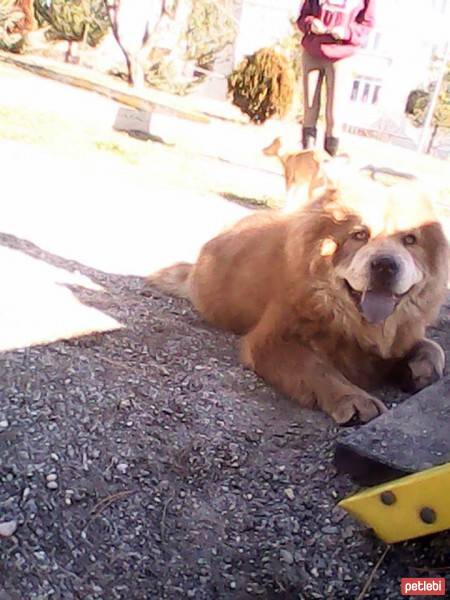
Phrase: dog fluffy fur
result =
(332, 300)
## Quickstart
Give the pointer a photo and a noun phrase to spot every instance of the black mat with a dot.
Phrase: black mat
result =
(411, 437)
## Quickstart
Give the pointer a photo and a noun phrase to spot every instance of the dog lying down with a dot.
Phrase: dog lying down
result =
(331, 300)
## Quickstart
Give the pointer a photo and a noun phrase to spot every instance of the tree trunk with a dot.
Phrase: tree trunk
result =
(112, 10)
(68, 54)
(432, 138)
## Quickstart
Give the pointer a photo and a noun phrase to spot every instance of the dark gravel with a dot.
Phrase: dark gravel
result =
(146, 463)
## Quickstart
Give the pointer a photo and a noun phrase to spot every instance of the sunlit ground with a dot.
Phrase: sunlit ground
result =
(96, 213)
(36, 306)
(78, 190)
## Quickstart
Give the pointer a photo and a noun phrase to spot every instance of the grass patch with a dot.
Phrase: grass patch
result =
(264, 202)
(23, 126)
(117, 150)
(158, 164)
(54, 133)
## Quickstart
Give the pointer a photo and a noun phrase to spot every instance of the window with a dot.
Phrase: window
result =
(355, 89)
(376, 94)
(372, 43)
(365, 95)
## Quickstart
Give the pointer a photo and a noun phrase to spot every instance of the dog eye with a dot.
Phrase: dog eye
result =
(410, 240)
(362, 235)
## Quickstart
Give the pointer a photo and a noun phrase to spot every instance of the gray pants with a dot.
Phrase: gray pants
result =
(337, 77)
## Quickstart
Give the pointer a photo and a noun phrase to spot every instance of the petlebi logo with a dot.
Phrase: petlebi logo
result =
(422, 586)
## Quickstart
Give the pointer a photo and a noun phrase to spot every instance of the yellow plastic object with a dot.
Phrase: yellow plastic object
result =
(406, 508)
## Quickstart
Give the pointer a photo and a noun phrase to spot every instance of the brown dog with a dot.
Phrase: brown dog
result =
(332, 300)
(305, 172)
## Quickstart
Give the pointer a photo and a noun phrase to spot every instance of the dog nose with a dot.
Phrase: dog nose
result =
(385, 267)
(385, 264)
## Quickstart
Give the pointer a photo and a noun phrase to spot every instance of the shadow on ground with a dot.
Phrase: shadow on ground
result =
(146, 463)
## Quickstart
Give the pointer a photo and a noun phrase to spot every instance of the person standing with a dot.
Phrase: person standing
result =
(333, 31)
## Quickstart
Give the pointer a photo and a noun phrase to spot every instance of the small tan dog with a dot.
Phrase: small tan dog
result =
(305, 173)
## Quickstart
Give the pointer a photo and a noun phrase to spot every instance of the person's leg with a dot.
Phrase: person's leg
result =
(336, 75)
(312, 74)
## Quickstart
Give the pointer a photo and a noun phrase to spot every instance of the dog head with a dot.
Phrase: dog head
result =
(375, 248)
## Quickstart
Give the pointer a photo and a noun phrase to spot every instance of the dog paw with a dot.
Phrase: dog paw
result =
(424, 366)
(357, 407)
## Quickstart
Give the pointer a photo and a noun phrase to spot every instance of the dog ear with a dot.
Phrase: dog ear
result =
(274, 148)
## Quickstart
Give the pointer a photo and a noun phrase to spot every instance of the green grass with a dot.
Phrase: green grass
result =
(156, 162)
(115, 149)
(51, 132)
(162, 165)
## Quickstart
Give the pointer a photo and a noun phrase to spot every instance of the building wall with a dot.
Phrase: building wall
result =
(397, 59)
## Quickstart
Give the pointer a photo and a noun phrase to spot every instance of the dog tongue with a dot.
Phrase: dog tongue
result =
(377, 306)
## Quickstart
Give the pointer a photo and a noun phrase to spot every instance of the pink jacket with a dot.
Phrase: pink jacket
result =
(357, 17)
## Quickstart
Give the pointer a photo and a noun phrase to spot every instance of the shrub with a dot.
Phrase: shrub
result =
(210, 30)
(10, 20)
(262, 86)
(416, 105)
(72, 20)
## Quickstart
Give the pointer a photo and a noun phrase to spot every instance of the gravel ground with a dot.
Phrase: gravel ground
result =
(145, 463)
